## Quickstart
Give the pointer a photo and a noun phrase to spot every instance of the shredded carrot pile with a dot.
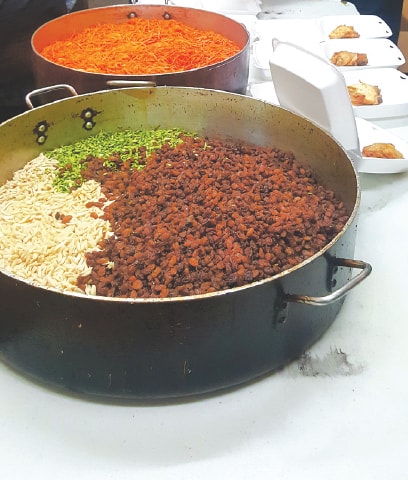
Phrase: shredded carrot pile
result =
(140, 46)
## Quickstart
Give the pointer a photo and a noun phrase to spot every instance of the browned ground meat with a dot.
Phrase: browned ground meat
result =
(208, 216)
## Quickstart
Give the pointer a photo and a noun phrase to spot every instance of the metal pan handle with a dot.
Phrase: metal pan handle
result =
(342, 291)
(44, 90)
(130, 83)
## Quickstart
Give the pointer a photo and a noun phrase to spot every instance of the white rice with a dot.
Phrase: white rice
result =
(37, 246)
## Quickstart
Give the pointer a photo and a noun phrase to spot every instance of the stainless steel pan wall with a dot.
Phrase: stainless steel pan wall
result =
(161, 348)
(230, 75)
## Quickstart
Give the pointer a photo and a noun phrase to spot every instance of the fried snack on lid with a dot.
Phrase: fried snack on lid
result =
(344, 31)
(364, 94)
(381, 150)
(349, 59)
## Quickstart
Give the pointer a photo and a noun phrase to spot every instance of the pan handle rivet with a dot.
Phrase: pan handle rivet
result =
(41, 139)
(88, 116)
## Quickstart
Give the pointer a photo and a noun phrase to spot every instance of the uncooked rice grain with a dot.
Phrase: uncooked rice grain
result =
(35, 243)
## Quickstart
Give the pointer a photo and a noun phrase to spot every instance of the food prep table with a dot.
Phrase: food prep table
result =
(338, 412)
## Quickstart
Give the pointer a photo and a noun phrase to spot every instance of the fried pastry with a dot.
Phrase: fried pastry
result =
(364, 94)
(381, 150)
(344, 31)
(349, 59)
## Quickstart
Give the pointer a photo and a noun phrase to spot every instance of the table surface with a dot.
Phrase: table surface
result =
(337, 413)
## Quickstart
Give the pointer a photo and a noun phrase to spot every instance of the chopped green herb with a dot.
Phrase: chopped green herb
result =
(127, 143)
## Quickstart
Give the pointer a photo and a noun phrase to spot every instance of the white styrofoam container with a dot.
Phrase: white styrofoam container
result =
(368, 134)
(311, 86)
(394, 91)
(366, 131)
(368, 26)
(380, 52)
(263, 49)
(301, 30)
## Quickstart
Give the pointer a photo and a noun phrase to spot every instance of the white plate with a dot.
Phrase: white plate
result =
(394, 91)
(368, 26)
(368, 134)
(381, 52)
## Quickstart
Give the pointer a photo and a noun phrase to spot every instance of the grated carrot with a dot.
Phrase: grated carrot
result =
(139, 47)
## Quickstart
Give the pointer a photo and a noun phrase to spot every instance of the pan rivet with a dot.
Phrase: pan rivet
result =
(281, 313)
(88, 116)
(39, 130)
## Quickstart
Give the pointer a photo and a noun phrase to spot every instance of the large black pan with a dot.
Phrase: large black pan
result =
(230, 75)
(162, 348)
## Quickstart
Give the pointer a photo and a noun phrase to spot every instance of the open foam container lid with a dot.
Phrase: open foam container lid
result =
(309, 85)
